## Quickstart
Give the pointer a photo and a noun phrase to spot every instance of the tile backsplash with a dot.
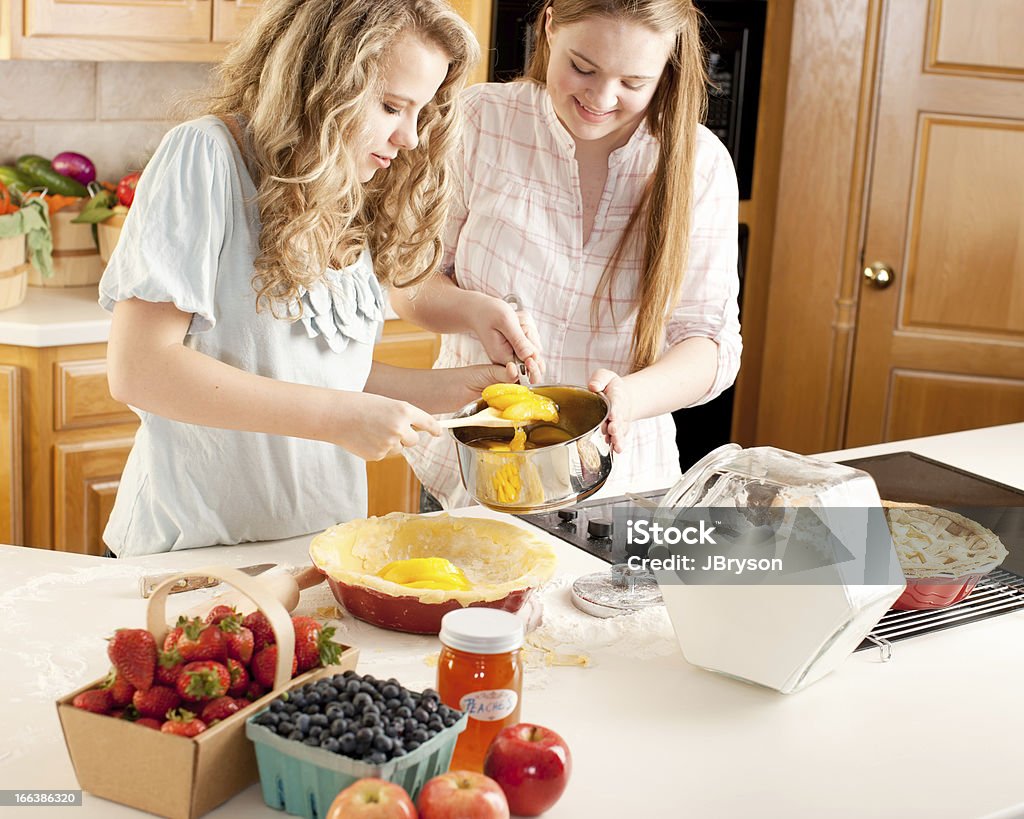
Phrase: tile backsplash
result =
(115, 113)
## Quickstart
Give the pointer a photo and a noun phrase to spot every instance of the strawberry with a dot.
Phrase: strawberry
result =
(96, 700)
(239, 678)
(313, 644)
(218, 613)
(133, 653)
(149, 722)
(183, 723)
(238, 639)
(220, 708)
(199, 641)
(203, 680)
(168, 666)
(171, 640)
(156, 702)
(265, 663)
(255, 691)
(120, 689)
(262, 633)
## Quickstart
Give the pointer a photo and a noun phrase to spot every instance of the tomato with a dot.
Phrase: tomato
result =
(126, 188)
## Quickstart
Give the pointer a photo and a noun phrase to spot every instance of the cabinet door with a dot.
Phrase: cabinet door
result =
(939, 349)
(10, 456)
(230, 17)
(168, 21)
(86, 476)
(391, 483)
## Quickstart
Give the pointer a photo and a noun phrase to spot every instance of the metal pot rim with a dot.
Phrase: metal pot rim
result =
(475, 406)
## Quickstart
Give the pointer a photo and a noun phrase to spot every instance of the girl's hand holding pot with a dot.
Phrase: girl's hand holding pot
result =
(620, 412)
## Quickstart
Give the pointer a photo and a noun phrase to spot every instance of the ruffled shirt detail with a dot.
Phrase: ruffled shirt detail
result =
(346, 305)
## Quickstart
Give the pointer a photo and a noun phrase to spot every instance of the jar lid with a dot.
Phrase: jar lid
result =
(480, 630)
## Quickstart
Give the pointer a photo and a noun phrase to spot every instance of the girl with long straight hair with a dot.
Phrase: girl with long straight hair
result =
(590, 190)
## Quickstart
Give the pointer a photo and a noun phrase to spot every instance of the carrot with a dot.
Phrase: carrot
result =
(54, 202)
(6, 205)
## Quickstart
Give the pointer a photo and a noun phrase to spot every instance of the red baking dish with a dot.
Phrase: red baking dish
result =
(409, 614)
(935, 592)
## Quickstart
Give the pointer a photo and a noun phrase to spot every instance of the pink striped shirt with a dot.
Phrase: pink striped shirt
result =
(517, 227)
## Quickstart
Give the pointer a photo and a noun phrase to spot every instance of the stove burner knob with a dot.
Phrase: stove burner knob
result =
(599, 528)
(567, 514)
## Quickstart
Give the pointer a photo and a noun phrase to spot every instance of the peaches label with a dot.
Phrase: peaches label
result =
(489, 706)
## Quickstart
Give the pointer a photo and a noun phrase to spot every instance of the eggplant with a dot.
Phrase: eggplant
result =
(76, 166)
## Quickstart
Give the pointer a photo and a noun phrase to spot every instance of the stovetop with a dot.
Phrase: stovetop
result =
(900, 476)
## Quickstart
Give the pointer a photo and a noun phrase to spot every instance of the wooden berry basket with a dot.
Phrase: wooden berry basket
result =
(13, 272)
(120, 761)
(76, 261)
(108, 232)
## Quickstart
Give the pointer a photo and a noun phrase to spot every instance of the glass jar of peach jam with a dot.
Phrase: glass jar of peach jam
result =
(480, 671)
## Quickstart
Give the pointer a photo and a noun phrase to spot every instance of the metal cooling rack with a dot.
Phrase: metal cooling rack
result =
(999, 592)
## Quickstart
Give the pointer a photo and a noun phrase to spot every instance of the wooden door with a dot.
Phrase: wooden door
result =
(942, 347)
(86, 476)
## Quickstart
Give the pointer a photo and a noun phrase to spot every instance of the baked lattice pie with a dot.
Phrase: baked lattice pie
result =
(932, 542)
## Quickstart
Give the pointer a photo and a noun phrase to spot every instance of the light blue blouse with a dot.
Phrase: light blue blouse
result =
(191, 238)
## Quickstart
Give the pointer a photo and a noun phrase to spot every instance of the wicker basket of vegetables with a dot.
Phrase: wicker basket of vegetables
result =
(13, 267)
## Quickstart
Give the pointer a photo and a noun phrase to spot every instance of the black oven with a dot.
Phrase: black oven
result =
(734, 36)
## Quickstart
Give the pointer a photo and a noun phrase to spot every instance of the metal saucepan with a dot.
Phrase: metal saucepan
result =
(569, 460)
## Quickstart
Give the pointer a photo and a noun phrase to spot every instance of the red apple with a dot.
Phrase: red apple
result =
(462, 795)
(532, 764)
(371, 798)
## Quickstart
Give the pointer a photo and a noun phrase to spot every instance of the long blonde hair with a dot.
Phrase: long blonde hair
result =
(678, 105)
(302, 77)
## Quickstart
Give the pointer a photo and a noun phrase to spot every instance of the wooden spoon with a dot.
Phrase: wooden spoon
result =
(487, 417)
(284, 585)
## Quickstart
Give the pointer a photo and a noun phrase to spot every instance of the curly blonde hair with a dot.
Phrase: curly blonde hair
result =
(302, 77)
(679, 104)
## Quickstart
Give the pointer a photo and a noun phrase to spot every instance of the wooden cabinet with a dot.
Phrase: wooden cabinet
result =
(904, 138)
(169, 30)
(392, 485)
(10, 455)
(64, 442)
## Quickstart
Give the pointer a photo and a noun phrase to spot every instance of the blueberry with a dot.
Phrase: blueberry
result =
(298, 701)
(339, 680)
(376, 758)
(361, 700)
(430, 694)
(369, 679)
(338, 728)
(319, 719)
(313, 698)
(408, 701)
(330, 744)
(419, 735)
(392, 704)
(353, 687)
(296, 735)
(350, 673)
(302, 722)
(390, 691)
(382, 743)
(277, 706)
(397, 752)
(311, 709)
(411, 745)
(371, 720)
(403, 711)
(333, 711)
(316, 731)
(436, 723)
(393, 731)
(347, 743)
(330, 692)
(311, 741)
(429, 705)
(449, 721)
(420, 715)
(367, 687)
(364, 735)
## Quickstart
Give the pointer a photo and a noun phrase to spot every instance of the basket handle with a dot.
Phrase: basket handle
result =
(280, 621)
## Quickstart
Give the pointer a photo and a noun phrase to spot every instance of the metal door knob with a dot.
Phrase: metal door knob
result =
(879, 275)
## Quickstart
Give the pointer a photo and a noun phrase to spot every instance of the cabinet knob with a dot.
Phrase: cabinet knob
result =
(879, 275)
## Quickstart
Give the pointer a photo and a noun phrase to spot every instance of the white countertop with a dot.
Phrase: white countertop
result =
(58, 316)
(934, 732)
